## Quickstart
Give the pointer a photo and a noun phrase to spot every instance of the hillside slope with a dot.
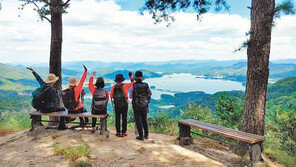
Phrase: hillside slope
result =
(36, 149)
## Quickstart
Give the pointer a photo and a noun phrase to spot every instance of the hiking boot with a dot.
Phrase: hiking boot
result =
(93, 130)
(146, 136)
(139, 138)
(124, 134)
(118, 135)
(62, 127)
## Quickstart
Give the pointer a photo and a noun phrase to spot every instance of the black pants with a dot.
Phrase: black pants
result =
(96, 112)
(121, 112)
(52, 109)
(141, 121)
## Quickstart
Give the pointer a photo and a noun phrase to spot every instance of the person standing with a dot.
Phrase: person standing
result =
(141, 95)
(119, 97)
(100, 98)
(72, 97)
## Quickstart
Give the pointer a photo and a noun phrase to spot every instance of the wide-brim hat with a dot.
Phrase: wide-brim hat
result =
(51, 78)
(119, 78)
(73, 81)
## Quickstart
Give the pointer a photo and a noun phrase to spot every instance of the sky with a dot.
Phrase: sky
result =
(113, 30)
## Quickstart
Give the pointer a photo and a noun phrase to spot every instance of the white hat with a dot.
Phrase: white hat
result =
(51, 78)
(73, 81)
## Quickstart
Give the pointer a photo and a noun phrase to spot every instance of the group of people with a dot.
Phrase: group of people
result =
(46, 99)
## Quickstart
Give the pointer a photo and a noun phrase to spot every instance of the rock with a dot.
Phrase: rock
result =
(82, 162)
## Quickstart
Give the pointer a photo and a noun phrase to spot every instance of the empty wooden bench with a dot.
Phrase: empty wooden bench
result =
(254, 141)
(36, 117)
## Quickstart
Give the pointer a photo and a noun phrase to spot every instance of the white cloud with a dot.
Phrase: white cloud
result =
(103, 31)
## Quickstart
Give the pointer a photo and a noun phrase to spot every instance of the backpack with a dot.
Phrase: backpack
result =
(68, 97)
(99, 101)
(119, 96)
(38, 101)
(141, 98)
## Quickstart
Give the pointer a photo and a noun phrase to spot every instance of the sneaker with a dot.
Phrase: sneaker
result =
(124, 134)
(139, 138)
(146, 136)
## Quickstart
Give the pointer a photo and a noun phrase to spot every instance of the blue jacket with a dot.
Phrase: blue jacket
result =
(51, 95)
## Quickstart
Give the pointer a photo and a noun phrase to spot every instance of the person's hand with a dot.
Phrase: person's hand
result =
(93, 74)
(30, 68)
(85, 69)
(130, 73)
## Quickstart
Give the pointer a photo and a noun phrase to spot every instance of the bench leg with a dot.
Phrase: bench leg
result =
(103, 125)
(32, 122)
(35, 121)
(255, 151)
(184, 135)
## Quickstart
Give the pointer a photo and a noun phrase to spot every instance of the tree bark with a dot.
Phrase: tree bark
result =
(253, 118)
(55, 62)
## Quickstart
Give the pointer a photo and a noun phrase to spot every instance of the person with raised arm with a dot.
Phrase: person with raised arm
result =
(72, 99)
(100, 98)
(119, 97)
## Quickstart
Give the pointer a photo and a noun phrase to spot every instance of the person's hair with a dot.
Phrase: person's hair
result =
(100, 82)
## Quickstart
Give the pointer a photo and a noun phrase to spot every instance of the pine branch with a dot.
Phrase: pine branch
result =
(44, 17)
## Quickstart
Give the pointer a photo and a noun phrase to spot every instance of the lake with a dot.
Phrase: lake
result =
(185, 82)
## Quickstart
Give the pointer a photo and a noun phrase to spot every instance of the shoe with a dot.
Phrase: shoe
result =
(139, 138)
(124, 134)
(118, 135)
(93, 130)
(62, 127)
(146, 136)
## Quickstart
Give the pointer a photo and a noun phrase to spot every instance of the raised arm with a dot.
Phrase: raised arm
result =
(38, 78)
(128, 85)
(91, 85)
(78, 88)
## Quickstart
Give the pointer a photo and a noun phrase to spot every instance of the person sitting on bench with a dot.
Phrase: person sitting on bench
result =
(100, 98)
(71, 97)
(46, 98)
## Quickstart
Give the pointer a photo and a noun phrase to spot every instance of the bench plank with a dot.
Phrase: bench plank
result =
(231, 133)
(224, 129)
(66, 114)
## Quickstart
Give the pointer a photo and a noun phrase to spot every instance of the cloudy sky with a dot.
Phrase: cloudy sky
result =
(113, 30)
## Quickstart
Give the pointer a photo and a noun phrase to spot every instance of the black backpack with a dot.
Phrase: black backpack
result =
(38, 101)
(119, 96)
(99, 101)
(141, 97)
(68, 97)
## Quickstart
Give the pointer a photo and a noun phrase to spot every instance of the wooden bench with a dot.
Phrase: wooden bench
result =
(254, 142)
(36, 117)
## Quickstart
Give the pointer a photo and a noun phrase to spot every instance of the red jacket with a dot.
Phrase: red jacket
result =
(125, 87)
(77, 91)
(92, 88)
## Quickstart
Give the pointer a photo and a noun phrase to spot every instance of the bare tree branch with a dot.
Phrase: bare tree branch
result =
(46, 1)
(44, 17)
(66, 2)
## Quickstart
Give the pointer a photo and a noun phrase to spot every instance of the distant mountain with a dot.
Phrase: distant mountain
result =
(147, 74)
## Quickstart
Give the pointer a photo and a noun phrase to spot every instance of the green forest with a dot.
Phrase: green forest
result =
(223, 108)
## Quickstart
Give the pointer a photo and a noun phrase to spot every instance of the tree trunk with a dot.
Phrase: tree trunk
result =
(55, 62)
(258, 71)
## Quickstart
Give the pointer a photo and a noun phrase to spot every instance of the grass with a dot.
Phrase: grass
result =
(72, 153)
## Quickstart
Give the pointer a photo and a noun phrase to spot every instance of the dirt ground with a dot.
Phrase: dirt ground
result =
(36, 149)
